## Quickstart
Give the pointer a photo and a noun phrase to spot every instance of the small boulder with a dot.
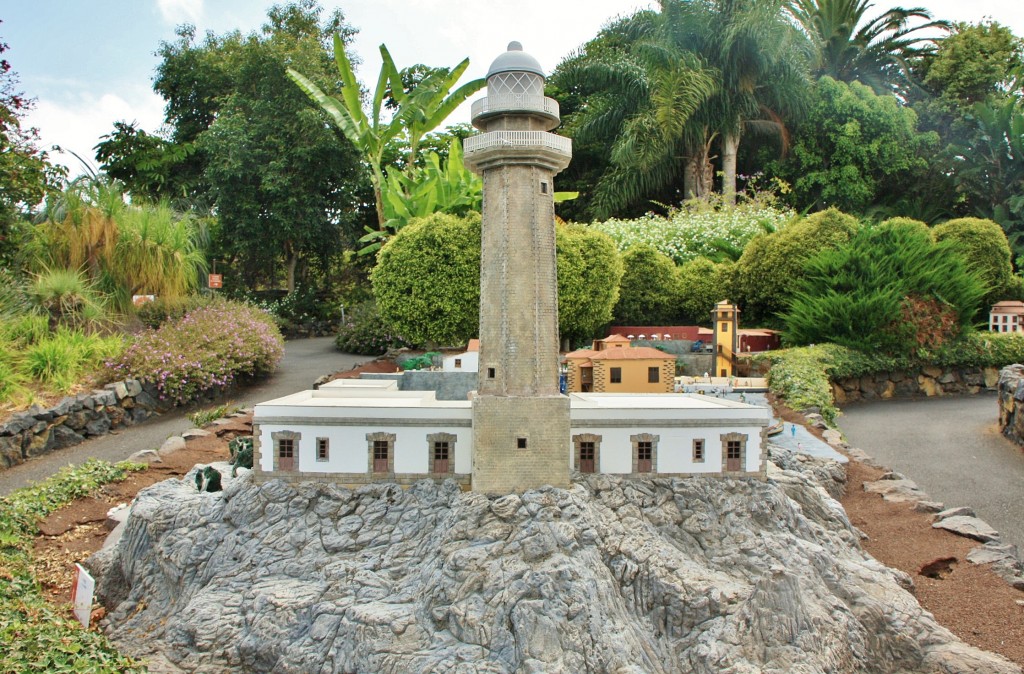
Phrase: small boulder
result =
(971, 527)
(146, 456)
(172, 444)
(962, 511)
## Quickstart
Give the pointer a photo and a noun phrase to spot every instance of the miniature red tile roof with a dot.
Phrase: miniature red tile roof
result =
(474, 345)
(636, 353)
(614, 339)
(1008, 307)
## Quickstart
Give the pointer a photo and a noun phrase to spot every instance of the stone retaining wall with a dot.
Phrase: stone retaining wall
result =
(1011, 402)
(930, 381)
(75, 418)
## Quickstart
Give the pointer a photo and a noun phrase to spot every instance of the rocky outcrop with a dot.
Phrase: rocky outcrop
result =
(1011, 402)
(75, 418)
(612, 575)
(930, 381)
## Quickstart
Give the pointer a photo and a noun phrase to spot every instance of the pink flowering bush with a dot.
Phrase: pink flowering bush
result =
(209, 348)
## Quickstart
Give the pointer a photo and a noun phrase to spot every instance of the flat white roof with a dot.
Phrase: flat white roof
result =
(658, 401)
(368, 397)
(360, 384)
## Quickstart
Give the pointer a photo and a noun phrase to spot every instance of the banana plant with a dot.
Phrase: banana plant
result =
(435, 187)
(420, 110)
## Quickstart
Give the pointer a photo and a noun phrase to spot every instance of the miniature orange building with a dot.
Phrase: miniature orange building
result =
(726, 319)
(613, 365)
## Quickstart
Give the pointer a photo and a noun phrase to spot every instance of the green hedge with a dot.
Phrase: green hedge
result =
(802, 376)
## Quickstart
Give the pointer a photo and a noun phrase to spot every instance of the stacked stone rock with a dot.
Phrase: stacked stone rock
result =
(930, 381)
(1011, 402)
(74, 419)
(610, 575)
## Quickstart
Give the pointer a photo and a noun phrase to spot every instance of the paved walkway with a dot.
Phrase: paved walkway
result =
(305, 360)
(951, 447)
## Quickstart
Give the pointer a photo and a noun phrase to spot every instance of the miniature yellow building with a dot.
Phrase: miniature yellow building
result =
(725, 318)
(613, 365)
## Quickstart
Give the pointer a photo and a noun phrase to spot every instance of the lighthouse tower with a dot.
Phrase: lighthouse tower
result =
(520, 420)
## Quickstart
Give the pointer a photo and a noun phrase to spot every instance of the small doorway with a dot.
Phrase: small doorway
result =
(286, 454)
(644, 455)
(586, 379)
(733, 455)
(587, 453)
(380, 456)
(441, 457)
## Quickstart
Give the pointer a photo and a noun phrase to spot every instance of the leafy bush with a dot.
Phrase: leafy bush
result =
(200, 418)
(648, 292)
(161, 310)
(701, 285)
(67, 297)
(890, 289)
(364, 332)
(209, 348)
(985, 250)
(589, 273)
(427, 279)
(772, 264)
(697, 230)
(37, 637)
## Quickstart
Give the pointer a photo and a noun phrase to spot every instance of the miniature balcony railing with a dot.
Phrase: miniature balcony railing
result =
(518, 139)
(491, 105)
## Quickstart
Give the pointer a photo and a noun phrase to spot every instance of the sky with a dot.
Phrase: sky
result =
(90, 63)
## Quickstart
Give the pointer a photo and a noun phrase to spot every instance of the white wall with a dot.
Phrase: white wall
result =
(470, 362)
(675, 448)
(349, 449)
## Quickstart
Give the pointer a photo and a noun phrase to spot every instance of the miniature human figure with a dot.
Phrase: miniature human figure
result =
(792, 428)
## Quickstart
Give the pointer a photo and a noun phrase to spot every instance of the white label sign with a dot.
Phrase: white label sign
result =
(81, 595)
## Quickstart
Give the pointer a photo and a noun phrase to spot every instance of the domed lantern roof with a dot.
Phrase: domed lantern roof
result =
(515, 60)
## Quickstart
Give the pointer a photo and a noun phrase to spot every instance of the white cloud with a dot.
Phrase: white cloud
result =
(76, 122)
(178, 11)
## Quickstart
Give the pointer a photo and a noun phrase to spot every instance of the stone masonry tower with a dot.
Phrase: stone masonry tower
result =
(520, 420)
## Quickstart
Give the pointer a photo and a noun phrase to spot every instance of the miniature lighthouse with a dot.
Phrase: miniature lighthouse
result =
(520, 420)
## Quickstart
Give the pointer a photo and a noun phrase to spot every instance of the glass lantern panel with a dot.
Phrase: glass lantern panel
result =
(516, 83)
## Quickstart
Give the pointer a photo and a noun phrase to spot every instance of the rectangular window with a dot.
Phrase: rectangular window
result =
(653, 375)
(458, 363)
(615, 376)
(733, 449)
(322, 449)
(286, 448)
(725, 327)
(440, 451)
(644, 450)
(490, 373)
(543, 187)
(698, 451)
(520, 443)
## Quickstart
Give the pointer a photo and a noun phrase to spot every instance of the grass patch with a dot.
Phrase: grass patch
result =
(201, 418)
(36, 637)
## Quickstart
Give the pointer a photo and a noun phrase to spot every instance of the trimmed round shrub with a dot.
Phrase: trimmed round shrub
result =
(589, 273)
(983, 246)
(701, 285)
(906, 222)
(772, 265)
(210, 348)
(427, 279)
(648, 292)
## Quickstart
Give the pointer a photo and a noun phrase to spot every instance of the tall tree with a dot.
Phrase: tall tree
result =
(25, 172)
(875, 51)
(286, 191)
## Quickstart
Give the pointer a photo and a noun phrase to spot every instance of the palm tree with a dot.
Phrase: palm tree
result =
(875, 52)
(760, 60)
(644, 92)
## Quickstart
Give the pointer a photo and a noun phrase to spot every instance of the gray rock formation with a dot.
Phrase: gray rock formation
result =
(612, 575)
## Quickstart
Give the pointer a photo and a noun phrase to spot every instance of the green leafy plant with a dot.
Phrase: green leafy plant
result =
(200, 418)
(240, 449)
(36, 636)
(365, 332)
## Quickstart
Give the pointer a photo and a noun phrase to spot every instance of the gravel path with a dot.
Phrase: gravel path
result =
(304, 361)
(951, 447)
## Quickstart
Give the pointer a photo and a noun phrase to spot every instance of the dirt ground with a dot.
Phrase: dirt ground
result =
(970, 600)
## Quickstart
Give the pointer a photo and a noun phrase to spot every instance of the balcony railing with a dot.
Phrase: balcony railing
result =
(515, 103)
(518, 139)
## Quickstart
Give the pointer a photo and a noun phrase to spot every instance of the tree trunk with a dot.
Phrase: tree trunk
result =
(690, 179)
(292, 262)
(730, 145)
